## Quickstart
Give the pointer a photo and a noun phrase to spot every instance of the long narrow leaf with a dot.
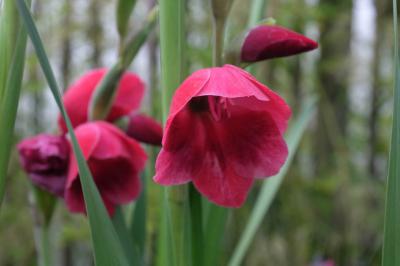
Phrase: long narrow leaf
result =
(9, 106)
(138, 224)
(391, 240)
(271, 186)
(131, 250)
(8, 33)
(124, 10)
(107, 248)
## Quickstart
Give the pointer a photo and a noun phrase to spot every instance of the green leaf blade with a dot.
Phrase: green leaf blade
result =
(391, 239)
(9, 106)
(107, 248)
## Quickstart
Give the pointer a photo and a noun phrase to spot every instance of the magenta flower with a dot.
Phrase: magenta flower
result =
(115, 161)
(224, 129)
(76, 100)
(269, 41)
(45, 159)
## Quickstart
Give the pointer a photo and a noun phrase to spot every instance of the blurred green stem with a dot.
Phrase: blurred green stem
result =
(256, 12)
(44, 247)
(196, 221)
(220, 11)
(219, 27)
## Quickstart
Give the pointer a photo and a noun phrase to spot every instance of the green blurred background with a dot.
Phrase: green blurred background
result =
(331, 203)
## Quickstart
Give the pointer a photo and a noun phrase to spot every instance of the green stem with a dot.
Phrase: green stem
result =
(196, 221)
(218, 47)
(172, 42)
(220, 11)
(42, 241)
(256, 12)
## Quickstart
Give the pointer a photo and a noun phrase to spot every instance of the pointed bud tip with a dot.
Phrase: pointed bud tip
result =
(270, 41)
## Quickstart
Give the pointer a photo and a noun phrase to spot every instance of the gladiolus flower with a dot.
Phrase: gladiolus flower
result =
(115, 162)
(269, 41)
(76, 100)
(144, 129)
(45, 159)
(224, 129)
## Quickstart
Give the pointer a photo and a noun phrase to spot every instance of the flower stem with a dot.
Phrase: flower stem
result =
(220, 11)
(45, 254)
(196, 220)
(174, 212)
(219, 28)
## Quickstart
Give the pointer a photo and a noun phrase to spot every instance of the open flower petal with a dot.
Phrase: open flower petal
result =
(115, 162)
(224, 130)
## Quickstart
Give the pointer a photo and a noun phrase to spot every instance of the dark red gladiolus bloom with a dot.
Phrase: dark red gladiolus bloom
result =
(45, 159)
(224, 129)
(115, 161)
(268, 41)
(77, 98)
(144, 129)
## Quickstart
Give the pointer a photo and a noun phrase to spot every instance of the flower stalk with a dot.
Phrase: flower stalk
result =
(174, 211)
(220, 11)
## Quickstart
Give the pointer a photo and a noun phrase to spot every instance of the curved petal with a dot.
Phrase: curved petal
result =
(222, 185)
(276, 106)
(114, 160)
(88, 136)
(130, 94)
(194, 150)
(228, 81)
(130, 147)
(256, 149)
(180, 159)
(116, 178)
(76, 99)
(75, 202)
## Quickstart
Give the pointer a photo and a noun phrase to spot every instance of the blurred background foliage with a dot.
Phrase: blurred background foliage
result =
(331, 203)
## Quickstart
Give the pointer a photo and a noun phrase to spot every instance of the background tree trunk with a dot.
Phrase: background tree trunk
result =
(333, 78)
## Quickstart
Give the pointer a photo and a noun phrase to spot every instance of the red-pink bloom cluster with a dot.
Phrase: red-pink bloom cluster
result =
(224, 130)
(114, 158)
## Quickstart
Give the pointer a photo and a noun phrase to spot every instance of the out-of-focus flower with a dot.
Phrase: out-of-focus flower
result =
(76, 100)
(45, 159)
(270, 41)
(144, 129)
(321, 262)
(115, 162)
(224, 129)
